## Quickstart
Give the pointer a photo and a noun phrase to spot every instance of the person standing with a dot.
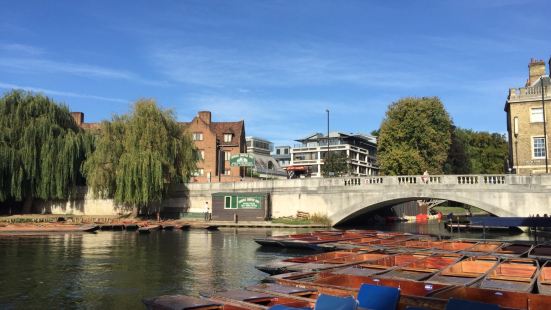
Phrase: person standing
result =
(207, 211)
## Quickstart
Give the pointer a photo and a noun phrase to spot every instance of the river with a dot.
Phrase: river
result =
(117, 269)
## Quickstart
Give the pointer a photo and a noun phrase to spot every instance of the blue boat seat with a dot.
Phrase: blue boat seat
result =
(329, 302)
(376, 297)
(460, 304)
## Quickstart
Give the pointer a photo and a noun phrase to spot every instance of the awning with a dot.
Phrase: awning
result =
(296, 168)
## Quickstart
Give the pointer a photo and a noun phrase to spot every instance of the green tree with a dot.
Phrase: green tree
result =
(138, 155)
(41, 149)
(484, 152)
(414, 136)
(335, 165)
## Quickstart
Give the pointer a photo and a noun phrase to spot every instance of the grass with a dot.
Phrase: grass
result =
(312, 219)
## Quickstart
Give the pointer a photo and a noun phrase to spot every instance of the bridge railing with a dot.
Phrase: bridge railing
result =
(428, 180)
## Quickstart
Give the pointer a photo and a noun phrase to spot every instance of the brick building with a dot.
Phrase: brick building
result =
(528, 150)
(216, 142)
(79, 119)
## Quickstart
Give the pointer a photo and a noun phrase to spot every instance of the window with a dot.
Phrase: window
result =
(200, 154)
(227, 137)
(227, 172)
(286, 151)
(536, 115)
(278, 151)
(199, 172)
(228, 203)
(227, 155)
(538, 144)
(197, 136)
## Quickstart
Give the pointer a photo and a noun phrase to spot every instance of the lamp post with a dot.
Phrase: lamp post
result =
(544, 122)
(327, 157)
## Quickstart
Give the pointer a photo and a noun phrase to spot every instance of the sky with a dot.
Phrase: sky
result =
(277, 65)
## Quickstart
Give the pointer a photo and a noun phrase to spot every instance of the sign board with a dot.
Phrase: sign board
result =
(253, 202)
(242, 160)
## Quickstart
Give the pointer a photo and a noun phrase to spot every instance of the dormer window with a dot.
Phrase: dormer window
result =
(228, 137)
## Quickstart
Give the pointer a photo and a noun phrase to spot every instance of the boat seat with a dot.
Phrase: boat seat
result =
(376, 297)
(329, 302)
(509, 278)
(461, 304)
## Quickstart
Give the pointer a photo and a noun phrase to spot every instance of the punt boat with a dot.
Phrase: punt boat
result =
(148, 229)
(381, 265)
(544, 279)
(541, 252)
(513, 274)
(482, 248)
(465, 272)
(512, 250)
(280, 265)
(184, 302)
(452, 246)
(423, 268)
(338, 262)
(259, 300)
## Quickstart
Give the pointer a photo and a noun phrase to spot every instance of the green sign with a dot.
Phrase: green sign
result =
(242, 160)
(253, 202)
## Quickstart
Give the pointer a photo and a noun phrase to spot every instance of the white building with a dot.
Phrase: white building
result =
(361, 151)
(265, 165)
(282, 154)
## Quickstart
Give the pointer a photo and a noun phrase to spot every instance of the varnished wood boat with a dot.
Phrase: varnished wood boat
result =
(482, 248)
(465, 272)
(452, 246)
(544, 279)
(280, 266)
(259, 300)
(541, 252)
(513, 274)
(338, 262)
(149, 228)
(423, 268)
(381, 265)
(513, 250)
(183, 302)
(47, 228)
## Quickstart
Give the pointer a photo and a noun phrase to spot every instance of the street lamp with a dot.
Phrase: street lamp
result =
(327, 157)
(544, 122)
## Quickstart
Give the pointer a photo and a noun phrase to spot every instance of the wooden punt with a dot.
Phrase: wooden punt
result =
(423, 268)
(148, 229)
(47, 228)
(512, 250)
(504, 299)
(381, 265)
(183, 302)
(281, 265)
(259, 300)
(338, 262)
(544, 279)
(541, 252)
(465, 272)
(482, 248)
(514, 274)
(452, 246)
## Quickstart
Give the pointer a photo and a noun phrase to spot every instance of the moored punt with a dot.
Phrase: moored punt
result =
(274, 288)
(338, 262)
(514, 274)
(260, 300)
(512, 250)
(168, 226)
(14, 228)
(280, 266)
(505, 299)
(148, 229)
(452, 246)
(131, 226)
(482, 248)
(423, 268)
(465, 272)
(381, 265)
(544, 279)
(541, 252)
(183, 302)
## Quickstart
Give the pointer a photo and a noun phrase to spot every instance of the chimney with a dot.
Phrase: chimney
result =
(536, 68)
(204, 116)
(78, 117)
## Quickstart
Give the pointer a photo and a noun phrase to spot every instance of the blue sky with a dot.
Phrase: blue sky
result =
(276, 64)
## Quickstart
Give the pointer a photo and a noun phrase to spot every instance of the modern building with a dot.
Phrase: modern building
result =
(308, 157)
(526, 126)
(282, 154)
(265, 165)
(216, 142)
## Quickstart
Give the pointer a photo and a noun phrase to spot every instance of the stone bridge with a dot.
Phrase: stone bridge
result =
(344, 198)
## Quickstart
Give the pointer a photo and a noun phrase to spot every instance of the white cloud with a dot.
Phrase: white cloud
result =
(61, 93)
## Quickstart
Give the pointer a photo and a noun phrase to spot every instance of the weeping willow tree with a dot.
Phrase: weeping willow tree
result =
(41, 149)
(138, 155)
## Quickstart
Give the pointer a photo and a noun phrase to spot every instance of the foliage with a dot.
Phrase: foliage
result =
(415, 136)
(335, 165)
(138, 155)
(313, 219)
(41, 148)
(484, 153)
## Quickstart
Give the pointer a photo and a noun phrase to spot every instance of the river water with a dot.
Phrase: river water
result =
(117, 269)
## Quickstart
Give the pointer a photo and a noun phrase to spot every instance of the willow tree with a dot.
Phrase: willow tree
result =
(415, 136)
(138, 155)
(41, 149)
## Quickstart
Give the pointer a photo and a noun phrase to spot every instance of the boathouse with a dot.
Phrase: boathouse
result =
(241, 206)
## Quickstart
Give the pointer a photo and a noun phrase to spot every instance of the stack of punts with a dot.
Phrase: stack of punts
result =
(259, 300)
(280, 266)
(465, 272)
(382, 265)
(541, 252)
(512, 250)
(544, 279)
(513, 274)
(482, 248)
(423, 268)
(452, 246)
